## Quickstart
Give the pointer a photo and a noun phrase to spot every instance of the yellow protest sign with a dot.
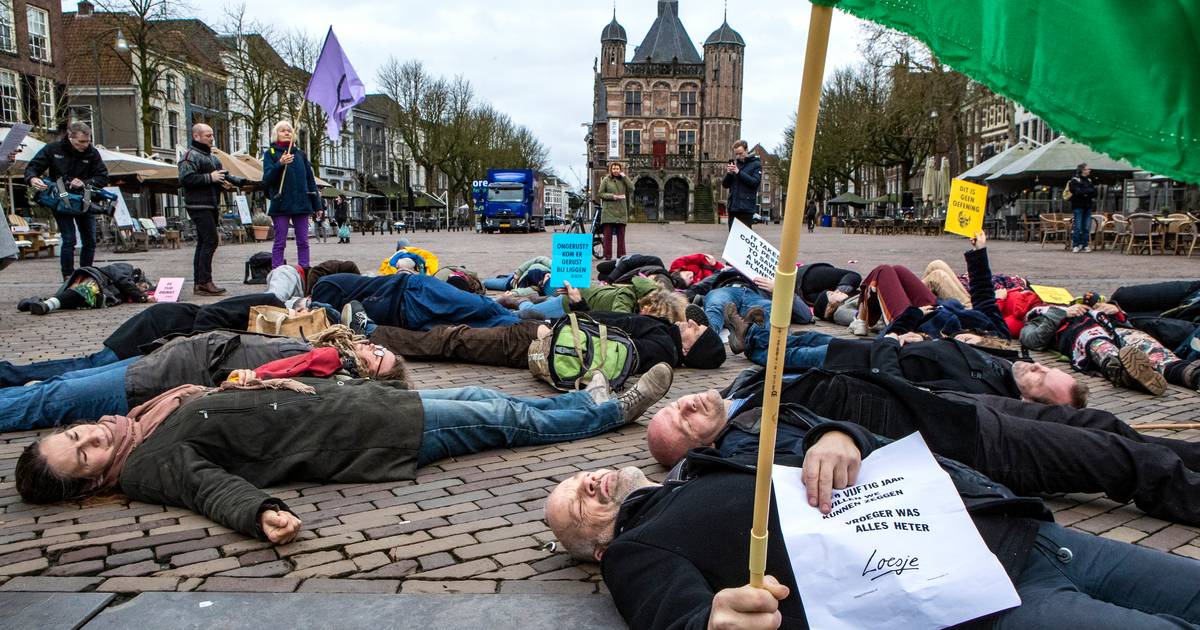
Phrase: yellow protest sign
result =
(967, 204)
(1052, 295)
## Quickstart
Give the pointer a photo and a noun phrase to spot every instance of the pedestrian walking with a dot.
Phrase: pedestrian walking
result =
(810, 216)
(615, 192)
(202, 180)
(743, 174)
(74, 164)
(1081, 192)
(322, 223)
(292, 188)
(341, 214)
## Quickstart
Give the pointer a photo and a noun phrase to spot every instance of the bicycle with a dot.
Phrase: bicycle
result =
(579, 226)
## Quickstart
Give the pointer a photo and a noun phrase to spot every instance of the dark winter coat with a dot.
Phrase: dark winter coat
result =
(816, 278)
(118, 282)
(299, 194)
(63, 161)
(195, 178)
(180, 318)
(202, 359)
(631, 265)
(214, 453)
(743, 186)
(937, 363)
(1083, 192)
(674, 545)
(656, 340)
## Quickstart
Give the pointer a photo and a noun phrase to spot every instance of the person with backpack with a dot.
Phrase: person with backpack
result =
(77, 164)
(1081, 192)
(292, 188)
(202, 180)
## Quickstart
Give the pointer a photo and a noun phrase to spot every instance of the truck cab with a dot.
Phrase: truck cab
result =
(513, 202)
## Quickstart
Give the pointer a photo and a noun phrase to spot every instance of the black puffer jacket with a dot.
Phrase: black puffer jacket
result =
(63, 161)
(118, 282)
(202, 359)
(196, 186)
(214, 453)
(1083, 192)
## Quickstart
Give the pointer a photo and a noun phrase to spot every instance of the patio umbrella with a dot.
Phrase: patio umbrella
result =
(29, 148)
(1058, 159)
(848, 198)
(120, 163)
(941, 186)
(929, 179)
(996, 162)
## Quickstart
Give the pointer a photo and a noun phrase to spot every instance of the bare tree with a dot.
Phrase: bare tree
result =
(422, 101)
(259, 73)
(301, 51)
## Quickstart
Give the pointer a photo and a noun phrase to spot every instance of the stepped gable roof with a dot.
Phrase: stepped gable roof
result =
(667, 39)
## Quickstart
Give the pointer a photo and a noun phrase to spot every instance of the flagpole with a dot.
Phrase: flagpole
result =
(785, 277)
(291, 140)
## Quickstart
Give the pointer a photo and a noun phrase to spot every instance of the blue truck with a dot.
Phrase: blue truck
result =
(510, 199)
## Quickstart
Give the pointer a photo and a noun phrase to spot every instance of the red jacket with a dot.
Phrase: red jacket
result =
(697, 264)
(1015, 306)
(319, 362)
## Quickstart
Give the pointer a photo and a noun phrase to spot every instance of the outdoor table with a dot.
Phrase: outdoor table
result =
(1029, 227)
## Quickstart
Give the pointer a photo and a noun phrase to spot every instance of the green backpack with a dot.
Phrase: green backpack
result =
(578, 347)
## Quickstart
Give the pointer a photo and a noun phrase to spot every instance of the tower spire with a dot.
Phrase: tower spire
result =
(724, 18)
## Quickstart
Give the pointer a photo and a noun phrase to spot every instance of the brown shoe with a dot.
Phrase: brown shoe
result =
(737, 329)
(1139, 372)
(207, 288)
(756, 315)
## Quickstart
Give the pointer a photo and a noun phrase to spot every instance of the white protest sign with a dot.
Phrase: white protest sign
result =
(121, 215)
(243, 208)
(898, 549)
(749, 253)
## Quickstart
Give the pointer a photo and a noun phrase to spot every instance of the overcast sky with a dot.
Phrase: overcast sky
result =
(533, 58)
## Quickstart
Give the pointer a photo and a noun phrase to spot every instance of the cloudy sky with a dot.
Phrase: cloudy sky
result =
(533, 58)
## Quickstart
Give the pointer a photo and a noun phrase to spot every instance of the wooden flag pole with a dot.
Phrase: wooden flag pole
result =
(1174, 426)
(292, 140)
(785, 277)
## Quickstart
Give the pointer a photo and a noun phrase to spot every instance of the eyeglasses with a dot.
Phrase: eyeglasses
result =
(379, 352)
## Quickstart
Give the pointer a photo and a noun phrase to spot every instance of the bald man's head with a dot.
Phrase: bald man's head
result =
(202, 133)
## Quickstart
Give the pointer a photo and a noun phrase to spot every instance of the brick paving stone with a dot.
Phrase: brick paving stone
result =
(37, 583)
(1191, 551)
(201, 569)
(138, 584)
(499, 546)
(457, 571)
(243, 546)
(87, 527)
(469, 527)
(163, 552)
(303, 561)
(476, 515)
(27, 566)
(87, 542)
(521, 555)
(189, 585)
(511, 532)
(22, 556)
(129, 557)
(264, 569)
(86, 567)
(371, 561)
(255, 557)
(192, 557)
(324, 585)
(219, 584)
(1124, 534)
(511, 572)
(456, 586)
(389, 571)
(1101, 522)
(568, 573)
(430, 546)
(1169, 538)
(537, 493)
(405, 527)
(333, 569)
(389, 542)
(317, 544)
(136, 569)
(161, 539)
(436, 561)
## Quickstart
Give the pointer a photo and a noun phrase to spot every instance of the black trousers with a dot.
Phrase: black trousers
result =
(1154, 298)
(72, 227)
(206, 243)
(744, 217)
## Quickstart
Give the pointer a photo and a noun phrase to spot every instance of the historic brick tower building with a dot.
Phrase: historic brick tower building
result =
(668, 114)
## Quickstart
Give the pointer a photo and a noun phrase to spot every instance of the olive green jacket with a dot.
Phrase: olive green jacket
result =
(615, 210)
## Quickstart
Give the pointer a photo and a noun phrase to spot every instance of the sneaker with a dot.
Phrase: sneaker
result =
(39, 308)
(1087, 249)
(1075, 250)
(650, 388)
(695, 313)
(355, 316)
(858, 327)
(1139, 373)
(737, 329)
(598, 388)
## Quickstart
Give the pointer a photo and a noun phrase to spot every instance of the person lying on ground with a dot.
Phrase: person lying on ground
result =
(686, 343)
(460, 278)
(732, 293)
(154, 322)
(94, 287)
(825, 287)
(692, 268)
(225, 445)
(940, 363)
(422, 261)
(529, 278)
(409, 300)
(202, 359)
(1178, 299)
(674, 555)
(1027, 446)
(1098, 339)
(629, 266)
(647, 296)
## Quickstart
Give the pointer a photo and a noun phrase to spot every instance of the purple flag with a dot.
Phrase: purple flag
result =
(335, 85)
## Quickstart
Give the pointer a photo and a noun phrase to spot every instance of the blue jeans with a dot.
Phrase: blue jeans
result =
(12, 375)
(804, 350)
(83, 395)
(550, 309)
(469, 420)
(1081, 227)
(499, 283)
(67, 224)
(745, 298)
(1075, 580)
(427, 302)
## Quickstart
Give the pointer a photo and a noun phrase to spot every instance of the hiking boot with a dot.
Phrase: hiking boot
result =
(1134, 370)
(756, 315)
(355, 316)
(24, 305)
(207, 288)
(598, 388)
(695, 313)
(737, 329)
(650, 388)
(39, 308)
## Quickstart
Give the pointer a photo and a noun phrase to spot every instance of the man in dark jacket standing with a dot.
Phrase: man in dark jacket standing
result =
(742, 177)
(77, 164)
(201, 180)
(675, 555)
(1083, 201)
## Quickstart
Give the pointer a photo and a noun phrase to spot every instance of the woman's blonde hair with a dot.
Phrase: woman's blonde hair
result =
(668, 305)
(280, 125)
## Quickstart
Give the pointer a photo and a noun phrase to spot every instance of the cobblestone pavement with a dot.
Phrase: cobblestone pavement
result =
(472, 524)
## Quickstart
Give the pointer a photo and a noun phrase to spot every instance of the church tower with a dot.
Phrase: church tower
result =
(724, 53)
(612, 49)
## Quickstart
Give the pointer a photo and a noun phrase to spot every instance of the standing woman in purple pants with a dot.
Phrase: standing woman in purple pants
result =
(284, 163)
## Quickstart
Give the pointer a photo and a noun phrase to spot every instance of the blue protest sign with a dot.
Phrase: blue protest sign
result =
(571, 260)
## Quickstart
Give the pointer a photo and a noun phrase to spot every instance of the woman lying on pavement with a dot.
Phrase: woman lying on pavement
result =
(203, 359)
(225, 444)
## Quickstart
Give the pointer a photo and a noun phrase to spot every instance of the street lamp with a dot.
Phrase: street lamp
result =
(121, 46)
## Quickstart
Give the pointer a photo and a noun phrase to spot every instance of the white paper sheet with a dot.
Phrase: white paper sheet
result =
(12, 143)
(898, 550)
(243, 208)
(750, 253)
(121, 212)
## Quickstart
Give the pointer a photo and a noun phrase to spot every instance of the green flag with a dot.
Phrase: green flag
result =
(1122, 76)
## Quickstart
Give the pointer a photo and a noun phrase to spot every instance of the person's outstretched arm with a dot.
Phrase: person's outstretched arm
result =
(979, 281)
